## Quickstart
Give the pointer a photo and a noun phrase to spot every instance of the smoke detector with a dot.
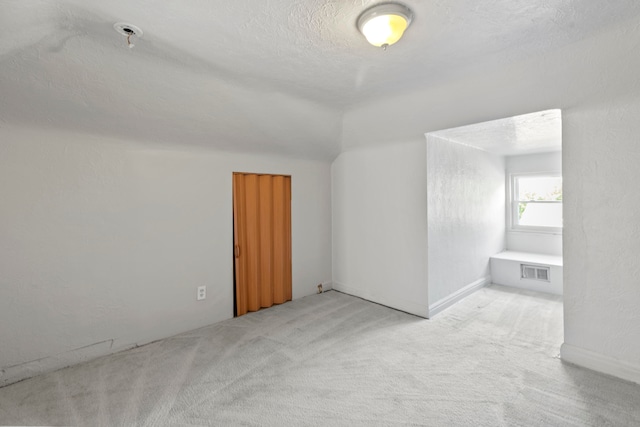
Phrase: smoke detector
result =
(128, 30)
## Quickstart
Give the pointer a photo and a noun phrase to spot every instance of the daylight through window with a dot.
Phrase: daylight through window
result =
(536, 202)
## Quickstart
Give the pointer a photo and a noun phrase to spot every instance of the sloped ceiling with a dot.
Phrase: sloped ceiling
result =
(265, 76)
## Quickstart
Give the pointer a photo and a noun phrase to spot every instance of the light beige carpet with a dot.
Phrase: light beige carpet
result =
(332, 359)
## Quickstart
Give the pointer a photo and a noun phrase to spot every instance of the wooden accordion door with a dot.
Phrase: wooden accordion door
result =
(262, 240)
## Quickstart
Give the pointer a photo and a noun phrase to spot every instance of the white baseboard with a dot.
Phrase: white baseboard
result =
(327, 286)
(447, 302)
(600, 363)
(13, 374)
(410, 307)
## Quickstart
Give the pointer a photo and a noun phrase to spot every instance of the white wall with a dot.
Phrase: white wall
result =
(380, 225)
(602, 236)
(594, 81)
(596, 84)
(103, 242)
(465, 188)
(524, 241)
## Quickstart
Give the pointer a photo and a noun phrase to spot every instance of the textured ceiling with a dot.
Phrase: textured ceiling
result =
(254, 75)
(525, 134)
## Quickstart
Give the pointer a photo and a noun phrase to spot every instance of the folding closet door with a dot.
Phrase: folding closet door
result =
(262, 240)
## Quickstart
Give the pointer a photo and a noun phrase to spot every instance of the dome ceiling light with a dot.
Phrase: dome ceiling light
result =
(385, 23)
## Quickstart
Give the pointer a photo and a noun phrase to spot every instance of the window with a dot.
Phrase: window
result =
(536, 202)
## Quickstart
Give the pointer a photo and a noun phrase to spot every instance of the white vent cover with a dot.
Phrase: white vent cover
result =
(534, 272)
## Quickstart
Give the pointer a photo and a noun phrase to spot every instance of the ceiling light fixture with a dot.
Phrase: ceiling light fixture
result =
(385, 23)
(128, 31)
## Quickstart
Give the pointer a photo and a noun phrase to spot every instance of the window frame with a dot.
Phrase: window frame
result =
(513, 202)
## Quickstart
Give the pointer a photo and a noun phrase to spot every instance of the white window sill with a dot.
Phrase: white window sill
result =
(536, 230)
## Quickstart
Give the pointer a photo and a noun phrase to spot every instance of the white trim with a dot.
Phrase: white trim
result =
(513, 202)
(447, 302)
(327, 286)
(600, 363)
(407, 306)
(22, 371)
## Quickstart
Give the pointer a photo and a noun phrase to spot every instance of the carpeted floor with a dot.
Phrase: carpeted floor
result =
(332, 359)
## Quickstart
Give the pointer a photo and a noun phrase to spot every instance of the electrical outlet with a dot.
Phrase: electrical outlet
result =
(202, 293)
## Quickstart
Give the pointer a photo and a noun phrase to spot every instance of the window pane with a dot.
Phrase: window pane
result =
(540, 188)
(540, 214)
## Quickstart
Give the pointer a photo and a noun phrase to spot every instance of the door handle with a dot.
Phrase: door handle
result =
(237, 251)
